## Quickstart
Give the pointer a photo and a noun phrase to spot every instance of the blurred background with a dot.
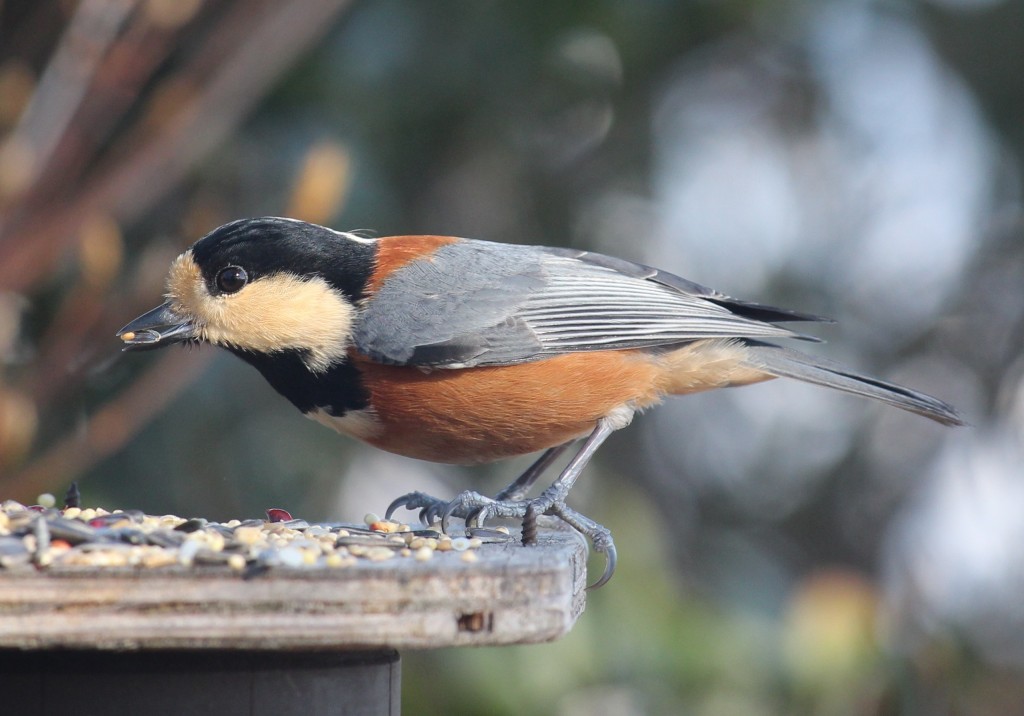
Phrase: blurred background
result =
(784, 549)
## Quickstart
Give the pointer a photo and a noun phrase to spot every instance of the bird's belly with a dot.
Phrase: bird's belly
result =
(483, 414)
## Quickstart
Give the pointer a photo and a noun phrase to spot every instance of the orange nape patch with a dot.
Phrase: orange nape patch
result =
(394, 252)
(483, 414)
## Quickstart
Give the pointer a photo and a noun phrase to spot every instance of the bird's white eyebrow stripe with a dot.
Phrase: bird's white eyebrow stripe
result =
(351, 236)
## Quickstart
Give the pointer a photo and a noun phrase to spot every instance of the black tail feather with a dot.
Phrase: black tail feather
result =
(768, 314)
(787, 363)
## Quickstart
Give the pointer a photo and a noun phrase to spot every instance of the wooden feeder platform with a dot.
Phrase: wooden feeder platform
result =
(284, 640)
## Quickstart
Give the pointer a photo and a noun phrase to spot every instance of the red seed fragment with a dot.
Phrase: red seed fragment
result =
(276, 514)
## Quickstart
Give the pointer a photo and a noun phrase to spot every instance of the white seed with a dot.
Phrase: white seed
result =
(248, 535)
(292, 557)
(188, 550)
(379, 554)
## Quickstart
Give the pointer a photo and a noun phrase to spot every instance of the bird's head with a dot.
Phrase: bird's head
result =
(262, 286)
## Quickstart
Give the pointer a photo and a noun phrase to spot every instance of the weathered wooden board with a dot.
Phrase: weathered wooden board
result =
(511, 594)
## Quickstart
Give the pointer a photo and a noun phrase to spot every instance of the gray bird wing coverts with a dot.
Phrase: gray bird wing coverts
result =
(474, 304)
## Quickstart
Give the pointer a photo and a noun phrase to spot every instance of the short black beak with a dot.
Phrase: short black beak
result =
(156, 329)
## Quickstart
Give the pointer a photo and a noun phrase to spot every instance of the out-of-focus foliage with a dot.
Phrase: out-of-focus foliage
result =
(783, 549)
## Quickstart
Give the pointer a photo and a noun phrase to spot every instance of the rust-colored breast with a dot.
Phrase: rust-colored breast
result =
(483, 414)
(394, 252)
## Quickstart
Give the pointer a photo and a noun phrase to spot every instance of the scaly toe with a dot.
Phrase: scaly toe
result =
(414, 501)
(600, 537)
(611, 560)
(464, 505)
(432, 513)
(478, 517)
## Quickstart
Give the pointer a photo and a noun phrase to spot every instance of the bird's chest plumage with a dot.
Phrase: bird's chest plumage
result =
(488, 413)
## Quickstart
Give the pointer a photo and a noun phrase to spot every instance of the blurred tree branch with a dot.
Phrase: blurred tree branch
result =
(97, 128)
(245, 49)
(111, 426)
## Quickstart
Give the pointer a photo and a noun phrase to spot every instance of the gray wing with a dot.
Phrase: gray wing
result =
(480, 303)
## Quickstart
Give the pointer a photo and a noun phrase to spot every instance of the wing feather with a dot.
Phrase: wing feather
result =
(479, 303)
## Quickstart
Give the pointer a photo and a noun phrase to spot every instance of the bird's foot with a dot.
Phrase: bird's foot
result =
(599, 535)
(470, 506)
(552, 502)
(476, 509)
(431, 508)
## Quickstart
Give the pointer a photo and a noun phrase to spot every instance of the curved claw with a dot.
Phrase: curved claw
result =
(599, 537)
(611, 560)
(467, 505)
(428, 506)
(431, 513)
(477, 517)
(447, 514)
(402, 501)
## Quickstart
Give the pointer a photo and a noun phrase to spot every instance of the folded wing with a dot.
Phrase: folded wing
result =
(478, 303)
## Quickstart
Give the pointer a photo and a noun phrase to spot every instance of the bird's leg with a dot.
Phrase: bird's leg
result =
(559, 489)
(550, 502)
(431, 508)
(518, 489)
(476, 508)
(513, 493)
(481, 508)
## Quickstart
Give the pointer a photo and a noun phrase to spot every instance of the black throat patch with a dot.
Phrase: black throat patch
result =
(337, 390)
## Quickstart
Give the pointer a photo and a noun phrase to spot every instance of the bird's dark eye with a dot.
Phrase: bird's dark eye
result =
(232, 279)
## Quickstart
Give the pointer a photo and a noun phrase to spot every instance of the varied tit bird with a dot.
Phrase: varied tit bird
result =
(462, 351)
